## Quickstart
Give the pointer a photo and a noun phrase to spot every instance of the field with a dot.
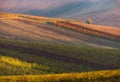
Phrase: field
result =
(35, 48)
(26, 27)
(67, 57)
(34, 64)
(108, 32)
(102, 31)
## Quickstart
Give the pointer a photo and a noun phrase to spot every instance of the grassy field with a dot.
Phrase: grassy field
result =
(17, 63)
(99, 76)
(47, 57)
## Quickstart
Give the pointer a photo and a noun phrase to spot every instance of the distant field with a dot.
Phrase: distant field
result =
(102, 31)
(26, 27)
(100, 76)
(112, 33)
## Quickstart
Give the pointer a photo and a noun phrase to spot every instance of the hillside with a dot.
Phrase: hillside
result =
(19, 26)
(40, 57)
(35, 48)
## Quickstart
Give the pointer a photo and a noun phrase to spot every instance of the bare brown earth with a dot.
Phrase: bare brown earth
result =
(26, 27)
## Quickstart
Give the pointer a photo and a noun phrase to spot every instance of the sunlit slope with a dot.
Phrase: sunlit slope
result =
(100, 76)
(26, 27)
(13, 66)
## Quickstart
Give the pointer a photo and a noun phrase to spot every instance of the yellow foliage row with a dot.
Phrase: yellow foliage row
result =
(99, 76)
(15, 62)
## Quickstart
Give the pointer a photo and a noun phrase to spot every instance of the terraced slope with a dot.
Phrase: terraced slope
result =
(26, 27)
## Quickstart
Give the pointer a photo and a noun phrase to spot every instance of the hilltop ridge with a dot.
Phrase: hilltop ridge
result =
(24, 26)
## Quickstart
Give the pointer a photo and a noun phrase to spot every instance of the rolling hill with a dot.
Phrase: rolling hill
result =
(76, 33)
(36, 45)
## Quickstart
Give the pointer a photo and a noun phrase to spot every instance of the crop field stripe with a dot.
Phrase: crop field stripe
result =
(88, 30)
(98, 76)
(53, 56)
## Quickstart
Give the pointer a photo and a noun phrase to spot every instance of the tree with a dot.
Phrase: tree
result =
(89, 21)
